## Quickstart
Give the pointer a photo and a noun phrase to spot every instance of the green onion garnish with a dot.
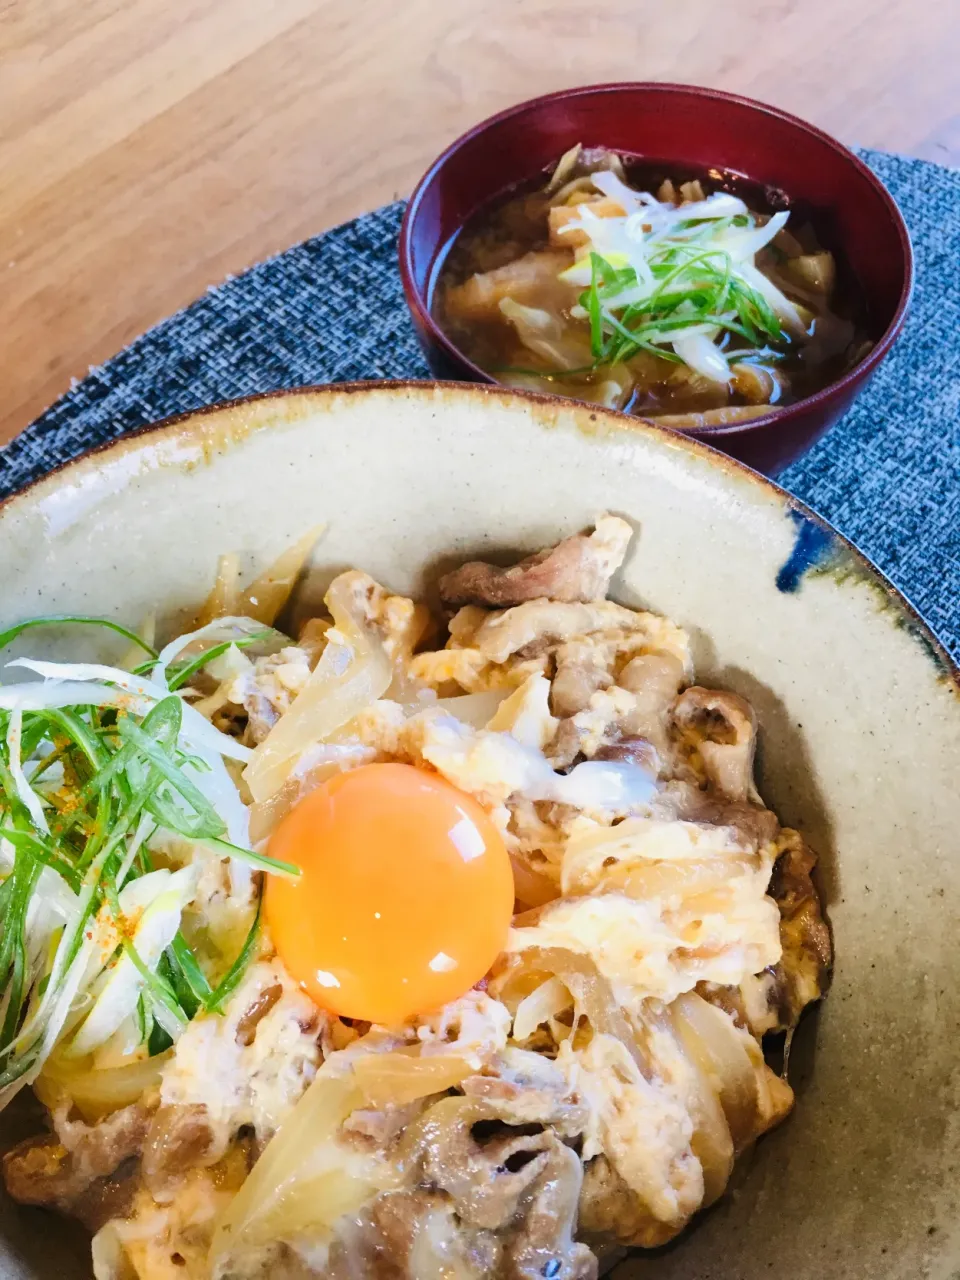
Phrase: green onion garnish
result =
(65, 619)
(84, 789)
(678, 282)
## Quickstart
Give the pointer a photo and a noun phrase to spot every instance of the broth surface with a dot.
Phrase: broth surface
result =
(507, 257)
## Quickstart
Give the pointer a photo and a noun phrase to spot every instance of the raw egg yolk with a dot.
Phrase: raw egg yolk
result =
(405, 894)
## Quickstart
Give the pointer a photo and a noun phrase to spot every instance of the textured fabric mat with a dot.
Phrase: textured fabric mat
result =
(332, 310)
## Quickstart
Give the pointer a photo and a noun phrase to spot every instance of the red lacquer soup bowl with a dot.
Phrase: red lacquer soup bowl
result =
(693, 129)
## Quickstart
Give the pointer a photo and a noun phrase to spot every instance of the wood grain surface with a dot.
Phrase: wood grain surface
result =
(149, 148)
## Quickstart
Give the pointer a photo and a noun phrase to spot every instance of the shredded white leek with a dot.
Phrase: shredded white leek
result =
(665, 277)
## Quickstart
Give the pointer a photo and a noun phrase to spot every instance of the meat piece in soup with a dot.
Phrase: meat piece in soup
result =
(681, 298)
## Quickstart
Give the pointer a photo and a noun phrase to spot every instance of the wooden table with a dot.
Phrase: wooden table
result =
(148, 147)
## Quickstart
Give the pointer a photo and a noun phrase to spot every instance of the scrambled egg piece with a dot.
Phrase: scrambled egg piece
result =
(252, 1064)
(503, 648)
(170, 1240)
(643, 1130)
(712, 922)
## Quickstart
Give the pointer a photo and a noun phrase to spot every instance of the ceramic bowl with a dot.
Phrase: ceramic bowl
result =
(691, 129)
(859, 713)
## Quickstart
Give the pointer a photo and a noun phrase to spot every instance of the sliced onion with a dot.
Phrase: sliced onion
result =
(540, 1006)
(398, 1078)
(474, 709)
(596, 854)
(28, 796)
(607, 182)
(97, 1092)
(712, 1142)
(348, 678)
(779, 303)
(525, 713)
(716, 1045)
(743, 244)
(699, 351)
(305, 1180)
(719, 205)
(234, 627)
(224, 592)
(267, 595)
(592, 993)
(531, 888)
(121, 991)
(139, 694)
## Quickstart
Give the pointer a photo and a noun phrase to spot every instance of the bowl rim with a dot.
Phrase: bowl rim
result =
(848, 383)
(910, 616)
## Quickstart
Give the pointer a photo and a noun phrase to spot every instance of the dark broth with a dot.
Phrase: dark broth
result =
(515, 224)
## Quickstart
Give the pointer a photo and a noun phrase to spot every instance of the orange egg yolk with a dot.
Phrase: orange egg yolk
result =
(404, 898)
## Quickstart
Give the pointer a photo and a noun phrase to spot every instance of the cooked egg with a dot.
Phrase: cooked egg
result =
(404, 898)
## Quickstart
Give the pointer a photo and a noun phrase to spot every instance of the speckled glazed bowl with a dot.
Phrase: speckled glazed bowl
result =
(858, 706)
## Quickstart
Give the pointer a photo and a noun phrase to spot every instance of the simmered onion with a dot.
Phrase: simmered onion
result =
(268, 594)
(305, 1180)
(711, 1039)
(399, 1078)
(540, 1006)
(348, 677)
(592, 994)
(98, 1091)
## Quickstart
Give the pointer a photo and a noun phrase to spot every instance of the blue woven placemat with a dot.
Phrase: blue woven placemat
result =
(332, 310)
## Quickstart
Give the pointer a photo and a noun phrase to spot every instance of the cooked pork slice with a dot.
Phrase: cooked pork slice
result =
(543, 1244)
(83, 1170)
(371, 1129)
(518, 1181)
(581, 672)
(804, 969)
(490, 1200)
(724, 729)
(577, 569)
(530, 1089)
(773, 1000)
(406, 1235)
(486, 1174)
(179, 1138)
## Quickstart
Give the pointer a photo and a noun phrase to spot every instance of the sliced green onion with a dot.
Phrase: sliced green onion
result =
(207, 821)
(158, 991)
(193, 976)
(190, 669)
(235, 973)
(44, 852)
(259, 860)
(65, 619)
(170, 971)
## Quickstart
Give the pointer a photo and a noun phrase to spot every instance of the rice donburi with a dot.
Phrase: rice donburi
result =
(424, 944)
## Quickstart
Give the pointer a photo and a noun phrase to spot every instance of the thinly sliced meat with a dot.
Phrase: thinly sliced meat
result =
(83, 1170)
(577, 569)
(804, 970)
(407, 1234)
(539, 625)
(486, 1174)
(581, 671)
(179, 1138)
(725, 730)
(543, 1244)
